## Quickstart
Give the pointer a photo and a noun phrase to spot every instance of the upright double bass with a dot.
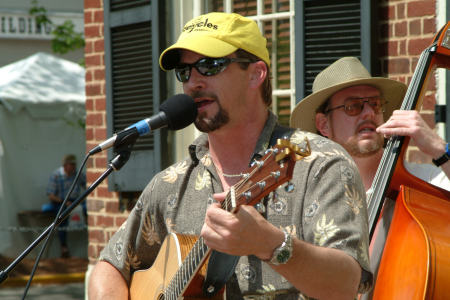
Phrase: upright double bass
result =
(415, 263)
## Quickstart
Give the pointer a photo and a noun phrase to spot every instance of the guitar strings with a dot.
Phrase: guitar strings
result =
(226, 204)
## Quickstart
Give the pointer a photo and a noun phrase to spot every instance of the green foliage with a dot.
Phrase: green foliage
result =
(65, 38)
(78, 123)
(40, 13)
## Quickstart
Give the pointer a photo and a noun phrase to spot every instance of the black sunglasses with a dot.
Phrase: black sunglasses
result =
(207, 66)
(354, 106)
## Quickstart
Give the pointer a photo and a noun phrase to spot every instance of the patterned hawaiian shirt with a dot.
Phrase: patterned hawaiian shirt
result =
(324, 204)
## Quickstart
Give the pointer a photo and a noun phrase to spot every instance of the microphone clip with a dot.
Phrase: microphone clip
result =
(125, 138)
(122, 147)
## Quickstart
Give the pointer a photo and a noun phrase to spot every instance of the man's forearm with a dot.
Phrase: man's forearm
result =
(322, 273)
(106, 282)
(54, 198)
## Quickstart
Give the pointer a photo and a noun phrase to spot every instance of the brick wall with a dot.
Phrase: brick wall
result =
(104, 216)
(407, 28)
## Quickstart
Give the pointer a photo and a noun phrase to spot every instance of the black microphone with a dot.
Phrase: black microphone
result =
(177, 112)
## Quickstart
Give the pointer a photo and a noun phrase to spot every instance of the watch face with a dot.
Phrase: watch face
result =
(283, 256)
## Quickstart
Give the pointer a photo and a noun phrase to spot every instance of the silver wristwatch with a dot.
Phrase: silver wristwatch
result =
(283, 253)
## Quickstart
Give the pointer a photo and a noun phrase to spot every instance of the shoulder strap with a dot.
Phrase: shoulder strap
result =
(221, 266)
(280, 132)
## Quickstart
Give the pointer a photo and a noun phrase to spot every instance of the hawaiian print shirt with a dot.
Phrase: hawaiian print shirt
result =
(324, 204)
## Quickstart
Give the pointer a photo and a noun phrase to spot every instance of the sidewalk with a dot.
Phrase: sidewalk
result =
(21, 281)
(67, 291)
(55, 279)
(50, 270)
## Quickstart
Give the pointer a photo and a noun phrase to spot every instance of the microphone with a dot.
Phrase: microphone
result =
(177, 112)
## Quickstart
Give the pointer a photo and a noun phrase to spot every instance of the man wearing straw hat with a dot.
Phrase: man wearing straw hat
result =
(349, 106)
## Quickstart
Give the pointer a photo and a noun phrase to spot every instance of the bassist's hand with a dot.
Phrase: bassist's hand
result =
(410, 123)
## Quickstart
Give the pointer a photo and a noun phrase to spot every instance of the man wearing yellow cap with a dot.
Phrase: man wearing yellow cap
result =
(309, 237)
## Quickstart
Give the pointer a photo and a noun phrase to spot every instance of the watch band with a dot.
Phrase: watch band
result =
(282, 253)
(444, 158)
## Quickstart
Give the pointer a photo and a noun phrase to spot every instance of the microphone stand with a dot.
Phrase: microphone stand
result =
(123, 151)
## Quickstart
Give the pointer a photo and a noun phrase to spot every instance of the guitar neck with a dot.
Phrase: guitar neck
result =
(190, 266)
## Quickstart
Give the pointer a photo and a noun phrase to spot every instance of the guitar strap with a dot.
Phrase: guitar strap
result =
(221, 266)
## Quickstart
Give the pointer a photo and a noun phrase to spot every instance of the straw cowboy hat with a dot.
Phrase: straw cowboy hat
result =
(343, 73)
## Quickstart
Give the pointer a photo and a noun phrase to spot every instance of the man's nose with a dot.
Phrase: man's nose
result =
(367, 110)
(196, 81)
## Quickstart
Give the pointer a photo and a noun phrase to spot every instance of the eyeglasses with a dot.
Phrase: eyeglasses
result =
(354, 106)
(207, 66)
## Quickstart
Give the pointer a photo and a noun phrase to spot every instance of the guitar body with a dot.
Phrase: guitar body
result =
(151, 283)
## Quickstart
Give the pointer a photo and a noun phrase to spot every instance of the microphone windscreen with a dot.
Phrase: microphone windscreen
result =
(180, 111)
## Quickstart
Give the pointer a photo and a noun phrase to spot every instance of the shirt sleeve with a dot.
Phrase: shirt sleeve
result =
(335, 209)
(430, 174)
(136, 243)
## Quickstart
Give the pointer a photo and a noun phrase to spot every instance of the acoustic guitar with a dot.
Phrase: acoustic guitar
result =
(180, 266)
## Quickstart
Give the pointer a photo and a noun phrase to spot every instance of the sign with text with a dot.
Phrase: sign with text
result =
(24, 26)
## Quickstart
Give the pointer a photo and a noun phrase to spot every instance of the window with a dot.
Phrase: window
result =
(275, 20)
(305, 36)
(132, 84)
(327, 30)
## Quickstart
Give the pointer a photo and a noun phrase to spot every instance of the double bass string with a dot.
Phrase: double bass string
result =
(391, 153)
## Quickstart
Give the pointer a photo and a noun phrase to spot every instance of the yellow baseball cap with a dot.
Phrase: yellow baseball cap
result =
(217, 34)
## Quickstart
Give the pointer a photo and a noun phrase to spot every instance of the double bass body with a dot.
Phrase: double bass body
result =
(416, 257)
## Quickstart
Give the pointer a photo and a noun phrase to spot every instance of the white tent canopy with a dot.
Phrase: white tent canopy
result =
(42, 113)
(41, 80)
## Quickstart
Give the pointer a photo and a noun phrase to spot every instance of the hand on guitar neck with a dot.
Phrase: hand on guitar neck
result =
(243, 233)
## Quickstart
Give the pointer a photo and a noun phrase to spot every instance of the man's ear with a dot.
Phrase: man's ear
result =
(258, 73)
(322, 124)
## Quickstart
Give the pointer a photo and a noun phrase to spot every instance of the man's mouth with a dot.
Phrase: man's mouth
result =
(367, 127)
(202, 102)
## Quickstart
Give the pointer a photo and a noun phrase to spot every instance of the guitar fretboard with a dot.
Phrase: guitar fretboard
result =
(188, 269)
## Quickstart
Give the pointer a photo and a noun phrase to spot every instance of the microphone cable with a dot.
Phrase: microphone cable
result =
(52, 229)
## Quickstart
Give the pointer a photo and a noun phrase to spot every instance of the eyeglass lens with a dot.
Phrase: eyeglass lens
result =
(354, 106)
(206, 66)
